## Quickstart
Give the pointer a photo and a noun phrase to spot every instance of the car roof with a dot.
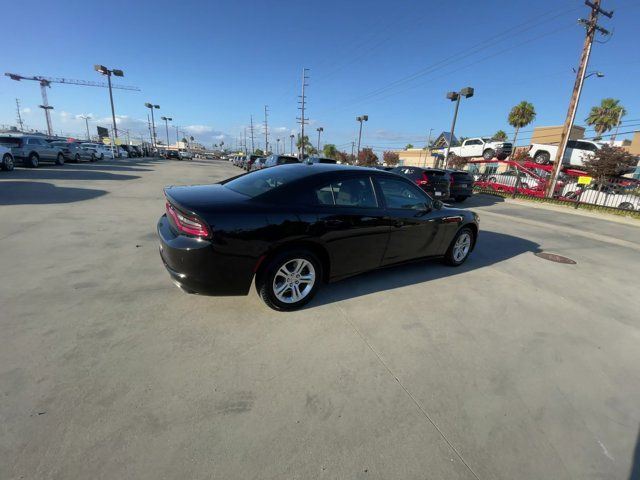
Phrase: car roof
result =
(318, 168)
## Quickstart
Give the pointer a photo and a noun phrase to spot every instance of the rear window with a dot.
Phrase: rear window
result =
(412, 173)
(262, 181)
(285, 160)
(10, 141)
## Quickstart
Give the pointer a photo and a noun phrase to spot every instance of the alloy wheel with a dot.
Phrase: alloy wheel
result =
(461, 247)
(294, 280)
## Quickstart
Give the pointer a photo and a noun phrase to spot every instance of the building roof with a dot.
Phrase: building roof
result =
(445, 139)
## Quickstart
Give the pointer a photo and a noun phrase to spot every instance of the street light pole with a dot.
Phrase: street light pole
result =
(108, 72)
(292, 136)
(320, 130)
(362, 118)
(166, 126)
(455, 97)
(154, 137)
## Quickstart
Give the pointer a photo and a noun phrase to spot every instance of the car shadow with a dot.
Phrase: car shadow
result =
(634, 474)
(40, 193)
(492, 248)
(477, 200)
(64, 173)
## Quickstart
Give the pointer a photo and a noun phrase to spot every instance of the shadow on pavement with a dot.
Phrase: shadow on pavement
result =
(39, 193)
(492, 248)
(635, 465)
(64, 173)
(478, 200)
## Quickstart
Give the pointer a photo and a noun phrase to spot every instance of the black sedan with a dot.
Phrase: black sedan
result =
(294, 227)
(434, 181)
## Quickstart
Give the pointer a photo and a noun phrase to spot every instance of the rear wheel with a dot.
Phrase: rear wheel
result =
(492, 179)
(460, 247)
(626, 206)
(33, 160)
(290, 280)
(488, 154)
(60, 159)
(542, 158)
(7, 163)
(76, 159)
(93, 158)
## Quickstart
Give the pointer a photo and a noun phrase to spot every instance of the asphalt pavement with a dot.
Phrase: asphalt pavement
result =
(511, 366)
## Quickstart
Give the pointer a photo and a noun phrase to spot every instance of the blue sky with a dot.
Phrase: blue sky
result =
(212, 64)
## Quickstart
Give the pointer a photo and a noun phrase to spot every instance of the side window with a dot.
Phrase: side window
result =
(350, 192)
(571, 144)
(586, 146)
(402, 195)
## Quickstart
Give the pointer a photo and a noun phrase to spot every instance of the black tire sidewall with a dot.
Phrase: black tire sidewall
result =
(7, 163)
(486, 156)
(60, 159)
(33, 160)
(265, 280)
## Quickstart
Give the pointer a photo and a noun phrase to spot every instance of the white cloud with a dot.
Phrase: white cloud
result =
(198, 129)
(25, 111)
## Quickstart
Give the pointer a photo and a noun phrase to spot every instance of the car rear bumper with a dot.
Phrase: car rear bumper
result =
(461, 191)
(197, 267)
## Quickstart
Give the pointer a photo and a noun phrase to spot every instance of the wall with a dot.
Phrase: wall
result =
(551, 135)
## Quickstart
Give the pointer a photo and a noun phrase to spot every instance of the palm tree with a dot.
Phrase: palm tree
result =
(605, 116)
(500, 136)
(520, 116)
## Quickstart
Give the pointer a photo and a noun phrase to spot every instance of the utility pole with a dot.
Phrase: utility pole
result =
(592, 27)
(245, 140)
(291, 137)
(150, 134)
(353, 144)
(266, 130)
(20, 116)
(253, 149)
(302, 119)
(361, 118)
(86, 121)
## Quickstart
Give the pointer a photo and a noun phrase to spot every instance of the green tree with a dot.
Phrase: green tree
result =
(257, 151)
(605, 116)
(330, 151)
(308, 147)
(409, 145)
(520, 116)
(367, 158)
(500, 136)
(391, 158)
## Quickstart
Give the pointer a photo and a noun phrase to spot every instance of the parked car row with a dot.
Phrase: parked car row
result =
(31, 150)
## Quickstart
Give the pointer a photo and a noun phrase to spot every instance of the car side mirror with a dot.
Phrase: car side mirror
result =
(437, 204)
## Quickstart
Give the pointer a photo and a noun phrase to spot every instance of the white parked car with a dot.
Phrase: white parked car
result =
(576, 153)
(607, 196)
(102, 150)
(509, 177)
(482, 147)
(185, 155)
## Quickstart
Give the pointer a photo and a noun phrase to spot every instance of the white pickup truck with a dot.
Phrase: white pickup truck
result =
(481, 147)
(577, 151)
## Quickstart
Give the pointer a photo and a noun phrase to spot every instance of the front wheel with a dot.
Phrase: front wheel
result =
(460, 247)
(93, 158)
(77, 158)
(33, 160)
(542, 158)
(626, 206)
(290, 280)
(488, 154)
(60, 159)
(7, 163)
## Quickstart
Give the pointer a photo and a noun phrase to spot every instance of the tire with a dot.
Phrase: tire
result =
(523, 185)
(488, 154)
(101, 156)
(76, 158)
(93, 158)
(460, 247)
(7, 163)
(542, 158)
(461, 198)
(626, 206)
(492, 179)
(33, 160)
(60, 159)
(277, 282)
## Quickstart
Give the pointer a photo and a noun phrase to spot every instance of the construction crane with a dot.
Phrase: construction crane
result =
(45, 82)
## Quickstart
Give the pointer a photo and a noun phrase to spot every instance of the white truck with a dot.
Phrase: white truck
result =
(576, 153)
(483, 147)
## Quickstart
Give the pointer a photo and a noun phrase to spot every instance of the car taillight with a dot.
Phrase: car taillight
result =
(423, 181)
(186, 223)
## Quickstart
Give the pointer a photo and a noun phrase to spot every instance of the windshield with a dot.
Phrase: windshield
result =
(262, 181)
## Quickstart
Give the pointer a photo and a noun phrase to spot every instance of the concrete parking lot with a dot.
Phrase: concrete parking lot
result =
(509, 367)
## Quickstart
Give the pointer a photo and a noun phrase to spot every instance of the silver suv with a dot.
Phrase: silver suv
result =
(32, 150)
